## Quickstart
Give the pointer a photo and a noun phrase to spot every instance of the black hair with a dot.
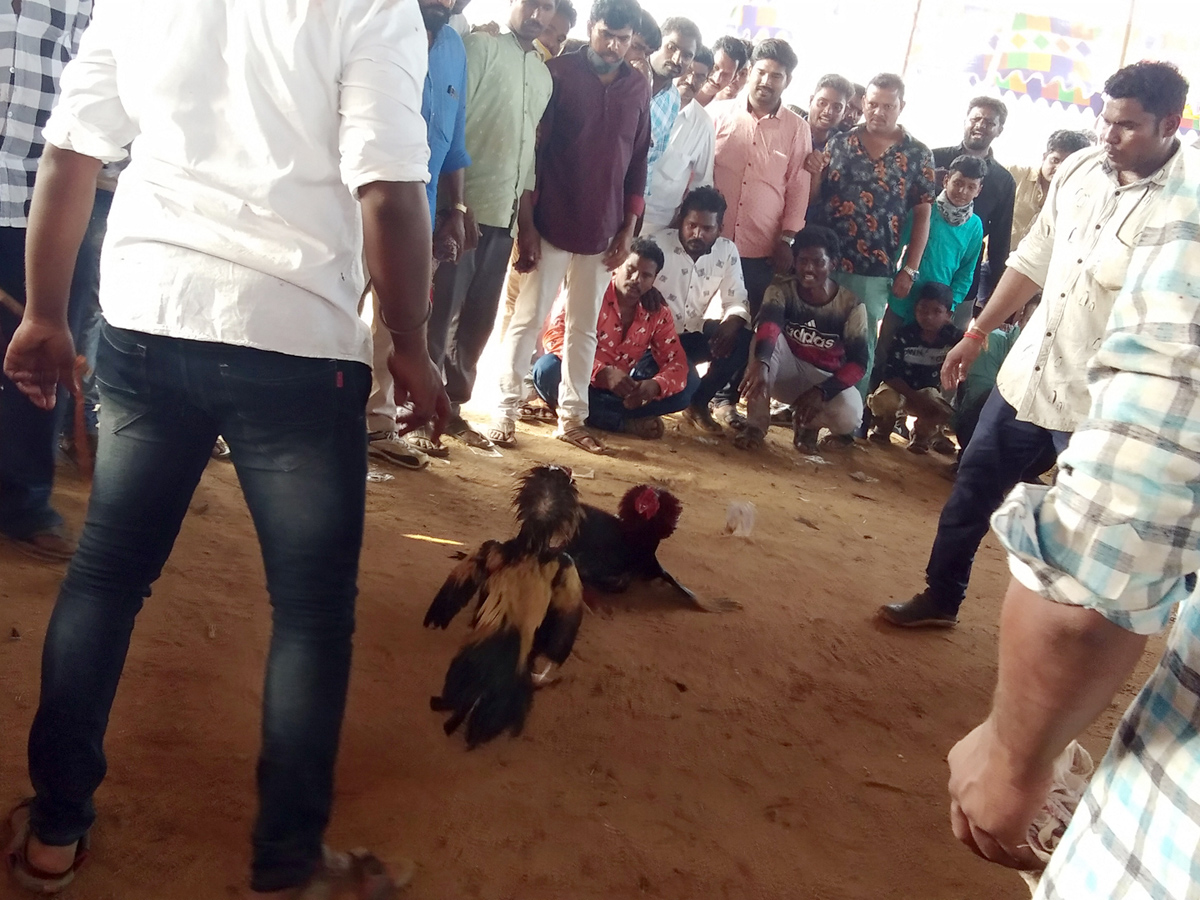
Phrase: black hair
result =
(860, 90)
(616, 14)
(778, 50)
(570, 45)
(812, 236)
(991, 103)
(838, 83)
(705, 198)
(970, 166)
(649, 31)
(937, 292)
(704, 56)
(685, 28)
(646, 248)
(732, 47)
(1159, 86)
(887, 81)
(1066, 141)
(566, 9)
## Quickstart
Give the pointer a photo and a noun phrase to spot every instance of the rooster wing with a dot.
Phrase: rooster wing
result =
(555, 637)
(462, 584)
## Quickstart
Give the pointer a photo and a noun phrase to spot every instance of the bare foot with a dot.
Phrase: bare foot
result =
(52, 860)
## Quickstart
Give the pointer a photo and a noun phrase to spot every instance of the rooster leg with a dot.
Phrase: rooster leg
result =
(721, 604)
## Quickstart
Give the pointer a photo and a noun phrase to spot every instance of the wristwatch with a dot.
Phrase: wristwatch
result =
(911, 272)
(461, 207)
(788, 239)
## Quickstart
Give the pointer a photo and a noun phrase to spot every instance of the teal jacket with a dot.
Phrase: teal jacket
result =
(950, 258)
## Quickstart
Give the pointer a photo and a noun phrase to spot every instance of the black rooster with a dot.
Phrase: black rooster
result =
(530, 605)
(613, 551)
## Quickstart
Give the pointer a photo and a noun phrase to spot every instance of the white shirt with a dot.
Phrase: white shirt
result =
(253, 124)
(686, 163)
(690, 286)
(1078, 250)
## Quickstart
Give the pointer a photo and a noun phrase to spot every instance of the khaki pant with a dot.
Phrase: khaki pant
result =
(887, 405)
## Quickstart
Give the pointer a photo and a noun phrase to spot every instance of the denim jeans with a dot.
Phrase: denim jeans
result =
(721, 372)
(27, 433)
(298, 439)
(1001, 451)
(606, 410)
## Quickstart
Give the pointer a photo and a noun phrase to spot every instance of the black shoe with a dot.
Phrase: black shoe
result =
(922, 611)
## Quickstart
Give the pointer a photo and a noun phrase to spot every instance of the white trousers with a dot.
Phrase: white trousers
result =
(587, 280)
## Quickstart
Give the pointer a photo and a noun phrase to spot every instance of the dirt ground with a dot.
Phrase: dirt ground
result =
(794, 749)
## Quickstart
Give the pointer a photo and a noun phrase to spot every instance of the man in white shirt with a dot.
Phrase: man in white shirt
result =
(271, 145)
(687, 161)
(1100, 204)
(702, 266)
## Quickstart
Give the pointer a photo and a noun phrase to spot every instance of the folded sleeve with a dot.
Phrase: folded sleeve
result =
(89, 117)
(382, 135)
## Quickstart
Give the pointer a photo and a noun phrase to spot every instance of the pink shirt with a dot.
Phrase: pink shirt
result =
(760, 171)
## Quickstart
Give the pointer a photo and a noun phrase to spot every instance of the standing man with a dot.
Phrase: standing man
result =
(443, 107)
(41, 36)
(591, 179)
(854, 108)
(554, 35)
(877, 174)
(1101, 560)
(826, 110)
(222, 322)
(729, 58)
(701, 266)
(647, 38)
(680, 41)
(761, 149)
(688, 160)
(994, 205)
(1101, 204)
(508, 87)
(1033, 182)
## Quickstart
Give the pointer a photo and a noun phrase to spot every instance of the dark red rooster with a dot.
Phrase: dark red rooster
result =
(611, 552)
(530, 605)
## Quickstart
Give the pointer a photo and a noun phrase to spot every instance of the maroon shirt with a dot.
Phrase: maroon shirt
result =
(592, 157)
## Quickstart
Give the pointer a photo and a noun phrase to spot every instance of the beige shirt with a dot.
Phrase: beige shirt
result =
(1029, 200)
(1079, 250)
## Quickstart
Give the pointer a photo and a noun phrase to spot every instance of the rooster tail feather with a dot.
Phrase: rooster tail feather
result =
(671, 580)
(487, 687)
(462, 584)
(556, 635)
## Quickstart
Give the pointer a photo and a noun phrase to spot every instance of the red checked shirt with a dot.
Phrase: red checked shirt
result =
(653, 331)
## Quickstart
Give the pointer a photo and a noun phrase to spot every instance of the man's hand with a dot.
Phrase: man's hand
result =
(992, 803)
(809, 404)
(450, 235)
(816, 162)
(902, 284)
(643, 392)
(529, 249)
(471, 231)
(41, 356)
(419, 387)
(725, 339)
(754, 384)
(958, 363)
(618, 250)
(613, 379)
(782, 259)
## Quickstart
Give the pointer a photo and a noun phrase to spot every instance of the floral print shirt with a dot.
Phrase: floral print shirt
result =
(865, 201)
(653, 331)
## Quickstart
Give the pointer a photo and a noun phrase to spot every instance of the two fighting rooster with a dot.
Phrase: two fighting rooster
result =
(531, 593)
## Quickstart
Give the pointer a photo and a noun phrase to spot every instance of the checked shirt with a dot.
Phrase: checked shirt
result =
(1119, 533)
(35, 44)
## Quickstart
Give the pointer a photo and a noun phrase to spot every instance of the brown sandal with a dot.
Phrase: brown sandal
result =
(537, 412)
(17, 856)
(578, 436)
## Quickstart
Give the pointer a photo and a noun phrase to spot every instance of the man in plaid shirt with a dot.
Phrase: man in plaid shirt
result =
(37, 38)
(1100, 561)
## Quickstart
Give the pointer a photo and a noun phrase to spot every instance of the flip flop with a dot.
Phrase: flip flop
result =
(537, 412)
(359, 871)
(50, 545)
(422, 439)
(17, 852)
(503, 433)
(578, 436)
(460, 429)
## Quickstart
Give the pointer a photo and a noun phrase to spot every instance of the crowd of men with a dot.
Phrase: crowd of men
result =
(668, 237)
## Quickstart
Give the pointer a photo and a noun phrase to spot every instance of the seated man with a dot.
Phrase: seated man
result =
(912, 375)
(823, 354)
(700, 266)
(640, 372)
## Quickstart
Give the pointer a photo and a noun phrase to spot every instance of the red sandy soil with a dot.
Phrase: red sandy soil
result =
(794, 749)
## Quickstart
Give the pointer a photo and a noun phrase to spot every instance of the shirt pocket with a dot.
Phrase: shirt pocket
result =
(1109, 264)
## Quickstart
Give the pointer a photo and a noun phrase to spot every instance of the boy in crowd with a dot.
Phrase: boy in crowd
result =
(823, 353)
(955, 241)
(913, 374)
(640, 372)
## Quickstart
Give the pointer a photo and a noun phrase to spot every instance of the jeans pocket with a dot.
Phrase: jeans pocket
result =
(121, 379)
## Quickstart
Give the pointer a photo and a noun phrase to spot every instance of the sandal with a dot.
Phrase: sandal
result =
(503, 433)
(49, 545)
(701, 420)
(727, 414)
(360, 871)
(391, 448)
(16, 856)
(537, 412)
(749, 438)
(650, 428)
(422, 439)
(578, 436)
(461, 430)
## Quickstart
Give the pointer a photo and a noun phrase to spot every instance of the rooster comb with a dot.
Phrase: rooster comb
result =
(647, 503)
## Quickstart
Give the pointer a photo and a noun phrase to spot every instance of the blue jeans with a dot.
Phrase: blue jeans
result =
(297, 434)
(27, 433)
(606, 410)
(1001, 451)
